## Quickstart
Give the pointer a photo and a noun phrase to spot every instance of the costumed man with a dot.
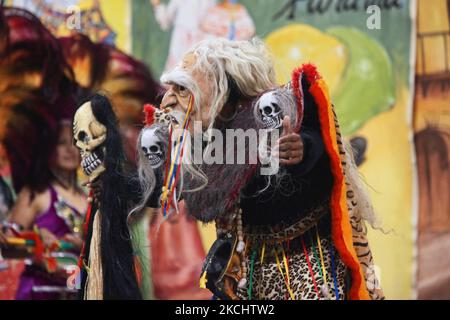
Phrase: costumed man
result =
(297, 233)
(176, 243)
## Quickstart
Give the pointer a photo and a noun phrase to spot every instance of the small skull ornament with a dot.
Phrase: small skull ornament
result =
(164, 117)
(89, 135)
(270, 111)
(153, 146)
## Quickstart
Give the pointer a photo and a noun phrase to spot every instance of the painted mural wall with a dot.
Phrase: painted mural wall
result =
(368, 64)
(432, 138)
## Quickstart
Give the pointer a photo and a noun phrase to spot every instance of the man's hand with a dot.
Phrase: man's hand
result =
(97, 188)
(290, 145)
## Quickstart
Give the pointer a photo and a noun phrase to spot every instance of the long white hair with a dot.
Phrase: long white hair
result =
(147, 176)
(365, 209)
(248, 64)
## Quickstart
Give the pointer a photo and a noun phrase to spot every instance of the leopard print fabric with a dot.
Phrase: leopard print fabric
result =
(282, 232)
(355, 207)
(269, 284)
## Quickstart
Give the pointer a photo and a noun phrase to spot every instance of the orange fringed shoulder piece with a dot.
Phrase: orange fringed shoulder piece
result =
(310, 73)
(341, 228)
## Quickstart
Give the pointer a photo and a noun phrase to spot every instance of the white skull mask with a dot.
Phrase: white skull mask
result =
(89, 135)
(153, 147)
(269, 111)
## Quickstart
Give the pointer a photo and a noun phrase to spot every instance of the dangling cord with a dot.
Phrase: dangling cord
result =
(321, 256)
(316, 257)
(175, 165)
(241, 247)
(173, 173)
(310, 268)
(169, 153)
(282, 274)
(286, 264)
(263, 251)
(286, 257)
(165, 191)
(333, 271)
(323, 272)
(252, 265)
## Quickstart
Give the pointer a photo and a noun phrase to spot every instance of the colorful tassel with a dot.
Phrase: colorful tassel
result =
(173, 166)
(333, 272)
(282, 274)
(252, 265)
(311, 271)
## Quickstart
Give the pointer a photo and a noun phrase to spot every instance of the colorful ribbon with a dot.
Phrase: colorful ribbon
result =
(173, 166)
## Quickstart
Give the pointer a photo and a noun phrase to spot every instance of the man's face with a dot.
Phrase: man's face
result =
(177, 97)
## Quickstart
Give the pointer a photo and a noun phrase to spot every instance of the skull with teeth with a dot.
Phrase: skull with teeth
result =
(89, 135)
(154, 142)
(270, 111)
(273, 106)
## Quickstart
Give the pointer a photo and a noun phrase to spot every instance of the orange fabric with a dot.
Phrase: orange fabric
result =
(341, 228)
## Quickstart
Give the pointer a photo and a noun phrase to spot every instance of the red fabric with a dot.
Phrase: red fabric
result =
(9, 278)
(309, 71)
(85, 230)
(296, 87)
(149, 111)
(177, 257)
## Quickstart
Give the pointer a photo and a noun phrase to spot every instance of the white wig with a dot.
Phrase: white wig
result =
(245, 66)
(247, 63)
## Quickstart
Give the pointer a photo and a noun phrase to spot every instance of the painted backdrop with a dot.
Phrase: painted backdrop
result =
(368, 71)
(432, 136)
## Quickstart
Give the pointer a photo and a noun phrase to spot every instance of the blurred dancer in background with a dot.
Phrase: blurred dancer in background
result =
(38, 101)
(57, 210)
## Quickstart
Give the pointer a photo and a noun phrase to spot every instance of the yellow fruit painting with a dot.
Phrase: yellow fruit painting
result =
(298, 43)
